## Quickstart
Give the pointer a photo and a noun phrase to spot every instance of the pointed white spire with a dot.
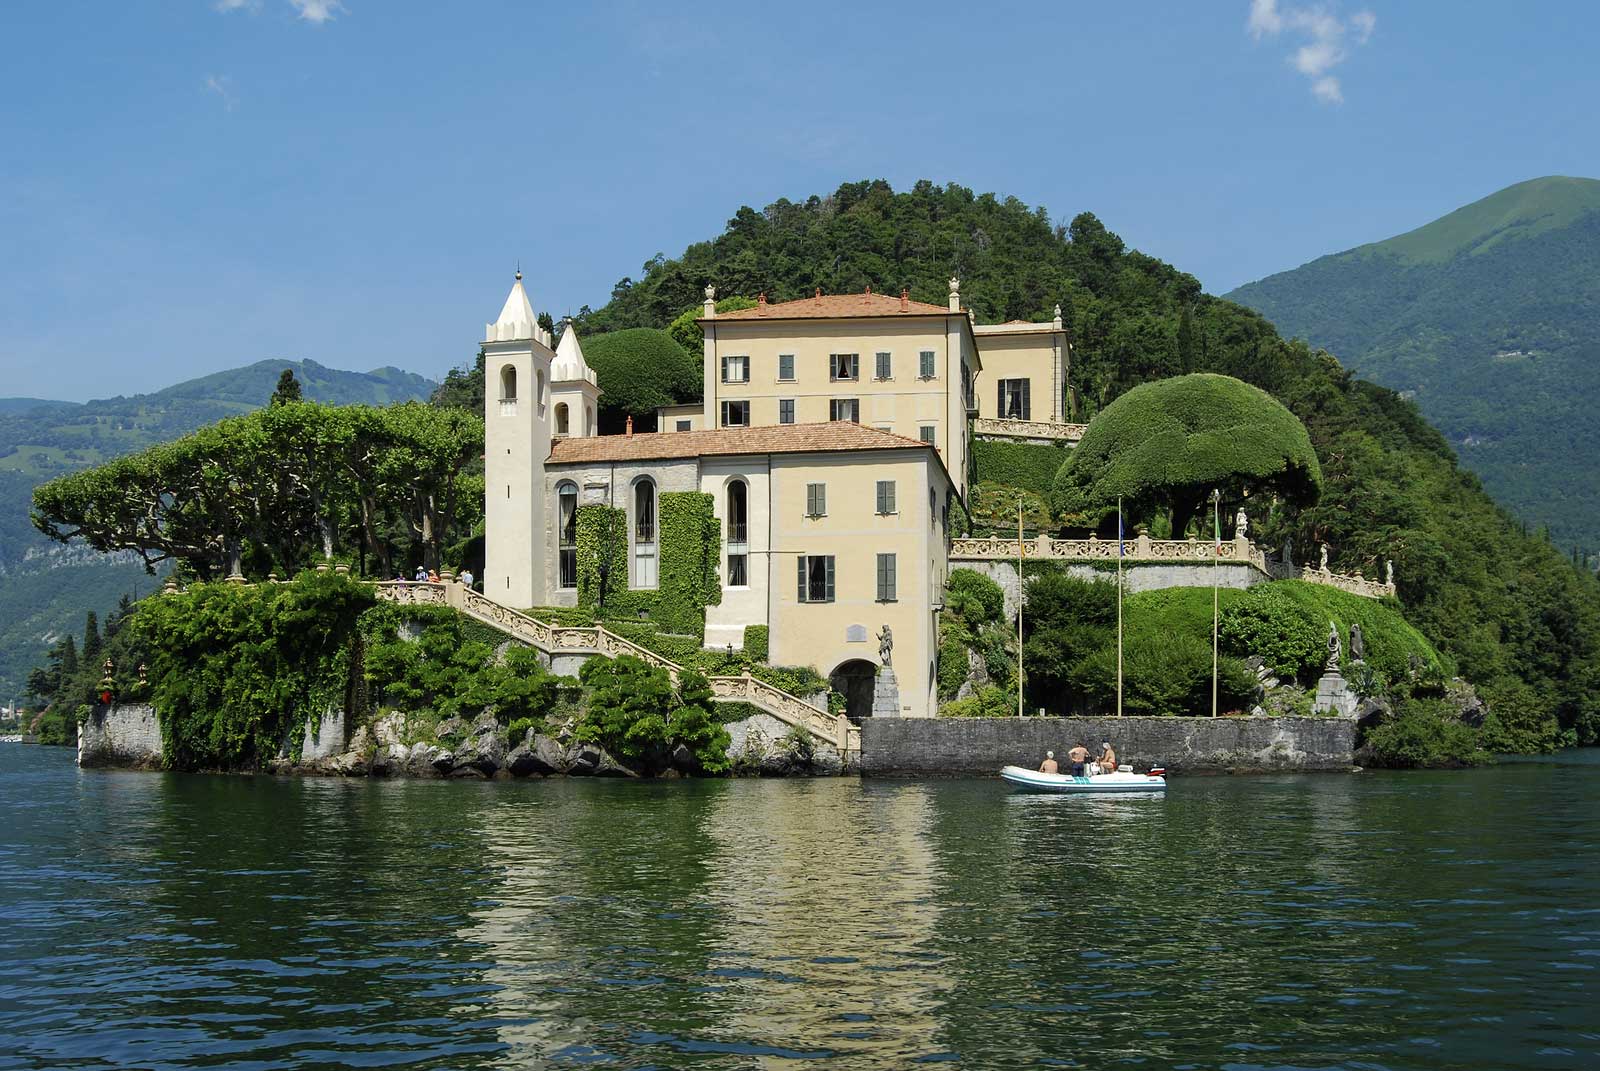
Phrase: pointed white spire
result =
(517, 320)
(569, 364)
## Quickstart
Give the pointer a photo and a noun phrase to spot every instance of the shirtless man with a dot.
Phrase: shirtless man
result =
(1049, 763)
(1108, 758)
(1078, 755)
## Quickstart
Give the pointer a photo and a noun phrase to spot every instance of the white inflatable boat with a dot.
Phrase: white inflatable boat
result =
(1124, 780)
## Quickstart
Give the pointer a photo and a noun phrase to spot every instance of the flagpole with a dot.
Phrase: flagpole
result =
(1119, 605)
(1216, 556)
(1021, 584)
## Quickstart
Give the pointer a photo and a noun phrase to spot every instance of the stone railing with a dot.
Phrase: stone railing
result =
(595, 639)
(1354, 584)
(1140, 549)
(1043, 430)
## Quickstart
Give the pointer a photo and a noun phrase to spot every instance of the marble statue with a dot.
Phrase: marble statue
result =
(1288, 550)
(1333, 647)
(1241, 523)
(1358, 645)
(885, 645)
(1324, 565)
(1388, 572)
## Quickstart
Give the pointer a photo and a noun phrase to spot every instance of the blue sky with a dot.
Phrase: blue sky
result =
(188, 185)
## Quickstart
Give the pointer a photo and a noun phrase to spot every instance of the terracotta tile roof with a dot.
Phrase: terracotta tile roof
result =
(773, 439)
(837, 306)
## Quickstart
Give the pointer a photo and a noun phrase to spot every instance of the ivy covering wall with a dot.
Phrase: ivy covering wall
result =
(1030, 466)
(690, 545)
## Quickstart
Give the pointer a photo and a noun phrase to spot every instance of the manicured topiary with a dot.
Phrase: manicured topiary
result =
(755, 642)
(1029, 466)
(1166, 445)
(639, 369)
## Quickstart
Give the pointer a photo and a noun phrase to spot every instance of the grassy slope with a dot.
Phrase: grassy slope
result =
(1490, 316)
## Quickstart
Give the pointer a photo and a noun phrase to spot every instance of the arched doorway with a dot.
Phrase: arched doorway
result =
(855, 680)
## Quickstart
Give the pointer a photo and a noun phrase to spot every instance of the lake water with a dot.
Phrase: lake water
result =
(1447, 920)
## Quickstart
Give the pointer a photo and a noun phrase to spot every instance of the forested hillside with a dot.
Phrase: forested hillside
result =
(1490, 318)
(1511, 609)
(46, 588)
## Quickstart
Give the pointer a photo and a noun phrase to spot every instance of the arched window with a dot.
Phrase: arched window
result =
(567, 532)
(561, 418)
(738, 534)
(508, 390)
(644, 534)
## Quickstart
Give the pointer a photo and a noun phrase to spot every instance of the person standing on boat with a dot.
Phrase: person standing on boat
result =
(1108, 758)
(1049, 763)
(1079, 755)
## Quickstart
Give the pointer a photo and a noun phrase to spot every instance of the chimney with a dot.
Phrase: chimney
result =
(711, 302)
(905, 299)
(628, 430)
(761, 303)
(955, 294)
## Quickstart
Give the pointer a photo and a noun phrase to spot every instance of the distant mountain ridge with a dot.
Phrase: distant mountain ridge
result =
(46, 588)
(1490, 318)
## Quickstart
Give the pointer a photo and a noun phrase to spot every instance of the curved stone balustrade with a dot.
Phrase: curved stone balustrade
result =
(1028, 429)
(1139, 549)
(567, 639)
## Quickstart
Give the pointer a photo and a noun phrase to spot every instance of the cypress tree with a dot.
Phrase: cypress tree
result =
(69, 659)
(91, 639)
(288, 389)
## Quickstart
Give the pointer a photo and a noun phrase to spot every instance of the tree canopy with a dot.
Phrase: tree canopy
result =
(282, 486)
(1171, 442)
(640, 369)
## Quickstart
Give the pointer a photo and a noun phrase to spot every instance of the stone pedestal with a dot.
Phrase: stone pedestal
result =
(886, 694)
(1333, 695)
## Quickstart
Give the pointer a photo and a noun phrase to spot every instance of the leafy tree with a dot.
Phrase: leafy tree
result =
(688, 334)
(694, 725)
(288, 389)
(629, 704)
(642, 369)
(1169, 443)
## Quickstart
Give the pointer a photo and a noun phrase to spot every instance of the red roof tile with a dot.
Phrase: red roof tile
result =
(837, 306)
(771, 439)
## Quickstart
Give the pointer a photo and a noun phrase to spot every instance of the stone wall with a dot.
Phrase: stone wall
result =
(325, 737)
(934, 747)
(120, 735)
(1136, 576)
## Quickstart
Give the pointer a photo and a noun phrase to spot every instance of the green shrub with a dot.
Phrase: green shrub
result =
(1269, 623)
(1056, 599)
(629, 703)
(694, 724)
(444, 672)
(517, 731)
(755, 642)
(973, 597)
(1021, 465)
(1163, 676)
(990, 702)
(1424, 733)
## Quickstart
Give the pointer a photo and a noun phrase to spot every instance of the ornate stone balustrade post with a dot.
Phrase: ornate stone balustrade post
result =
(1142, 548)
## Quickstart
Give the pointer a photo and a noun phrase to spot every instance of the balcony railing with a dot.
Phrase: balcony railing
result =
(737, 531)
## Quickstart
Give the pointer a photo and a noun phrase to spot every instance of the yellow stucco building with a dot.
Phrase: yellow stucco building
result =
(833, 440)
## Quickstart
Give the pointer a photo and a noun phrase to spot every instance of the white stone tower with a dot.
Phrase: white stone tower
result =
(516, 418)
(574, 393)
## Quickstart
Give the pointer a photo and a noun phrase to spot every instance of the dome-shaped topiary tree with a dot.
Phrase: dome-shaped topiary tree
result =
(639, 369)
(1167, 444)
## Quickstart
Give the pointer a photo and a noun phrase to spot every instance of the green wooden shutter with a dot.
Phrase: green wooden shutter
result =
(1027, 408)
(829, 561)
(801, 562)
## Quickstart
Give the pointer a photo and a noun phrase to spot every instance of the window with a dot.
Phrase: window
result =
(886, 496)
(736, 369)
(886, 578)
(785, 410)
(735, 414)
(966, 387)
(845, 409)
(925, 433)
(1013, 399)
(816, 578)
(588, 420)
(926, 370)
(933, 505)
(508, 391)
(785, 366)
(567, 534)
(816, 500)
(561, 418)
(683, 425)
(738, 534)
(843, 366)
(885, 367)
(644, 534)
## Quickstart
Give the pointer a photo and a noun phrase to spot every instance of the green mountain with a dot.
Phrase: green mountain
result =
(1514, 614)
(1489, 318)
(45, 588)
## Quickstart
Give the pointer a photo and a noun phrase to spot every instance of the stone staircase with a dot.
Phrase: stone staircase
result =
(587, 641)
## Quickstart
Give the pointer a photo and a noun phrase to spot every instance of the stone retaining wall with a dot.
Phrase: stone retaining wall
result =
(942, 747)
(120, 735)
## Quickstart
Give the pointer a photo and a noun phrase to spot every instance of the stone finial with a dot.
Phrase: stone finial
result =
(711, 292)
(955, 294)
(711, 302)
(905, 299)
(1056, 322)
(628, 428)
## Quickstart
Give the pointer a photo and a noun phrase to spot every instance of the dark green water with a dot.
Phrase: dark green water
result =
(1373, 921)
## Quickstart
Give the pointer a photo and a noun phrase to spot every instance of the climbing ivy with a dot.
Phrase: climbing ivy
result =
(690, 545)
